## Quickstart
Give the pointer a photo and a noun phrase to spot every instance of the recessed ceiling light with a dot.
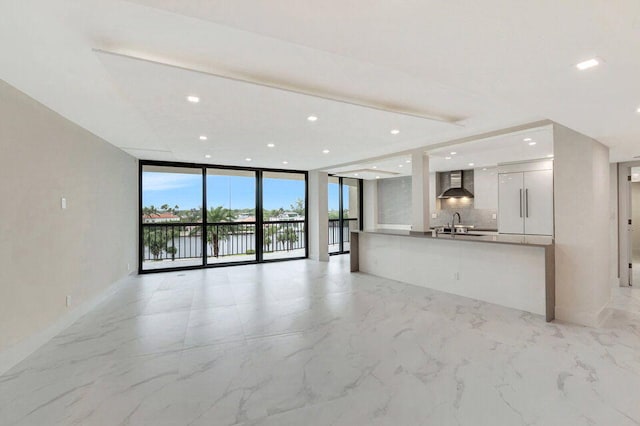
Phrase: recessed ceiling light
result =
(312, 118)
(638, 110)
(247, 159)
(526, 139)
(271, 145)
(471, 164)
(193, 99)
(407, 161)
(374, 167)
(447, 158)
(399, 165)
(395, 131)
(377, 177)
(203, 138)
(207, 156)
(484, 169)
(453, 153)
(532, 143)
(589, 63)
(355, 174)
(285, 162)
(550, 156)
(325, 151)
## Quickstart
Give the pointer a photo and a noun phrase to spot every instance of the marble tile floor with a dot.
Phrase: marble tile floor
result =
(307, 343)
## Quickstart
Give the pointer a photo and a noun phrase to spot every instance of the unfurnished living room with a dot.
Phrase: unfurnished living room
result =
(330, 213)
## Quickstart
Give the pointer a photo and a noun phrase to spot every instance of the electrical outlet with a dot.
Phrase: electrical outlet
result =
(434, 215)
(128, 267)
(456, 276)
(63, 203)
(494, 216)
(68, 301)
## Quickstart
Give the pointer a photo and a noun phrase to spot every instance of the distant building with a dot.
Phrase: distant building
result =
(245, 218)
(288, 216)
(160, 218)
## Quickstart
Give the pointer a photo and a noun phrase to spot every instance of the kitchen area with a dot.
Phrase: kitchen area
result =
(489, 230)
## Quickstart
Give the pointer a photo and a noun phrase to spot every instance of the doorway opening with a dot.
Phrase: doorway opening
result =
(634, 240)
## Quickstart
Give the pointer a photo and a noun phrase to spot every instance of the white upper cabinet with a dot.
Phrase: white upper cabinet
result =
(526, 202)
(485, 189)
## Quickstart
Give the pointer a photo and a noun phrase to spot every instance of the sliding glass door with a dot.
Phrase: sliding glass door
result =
(231, 216)
(171, 217)
(199, 215)
(345, 210)
(350, 210)
(333, 195)
(284, 213)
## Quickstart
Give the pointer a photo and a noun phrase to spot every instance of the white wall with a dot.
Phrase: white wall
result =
(47, 253)
(614, 276)
(582, 226)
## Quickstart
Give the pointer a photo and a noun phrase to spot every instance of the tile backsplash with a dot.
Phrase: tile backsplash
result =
(480, 218)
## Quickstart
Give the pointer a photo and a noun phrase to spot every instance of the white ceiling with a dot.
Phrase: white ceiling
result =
(240, 119)
(487, 152)
(485, 65)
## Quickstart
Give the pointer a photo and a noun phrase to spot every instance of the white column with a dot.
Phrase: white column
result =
(581, 213)
(370, 204)
(419, 192)
(318, 215)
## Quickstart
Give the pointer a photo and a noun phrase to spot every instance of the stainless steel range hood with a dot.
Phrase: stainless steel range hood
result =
(455, 189)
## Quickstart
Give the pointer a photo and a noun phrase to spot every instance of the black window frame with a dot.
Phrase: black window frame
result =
(258, 171)
(341, 220)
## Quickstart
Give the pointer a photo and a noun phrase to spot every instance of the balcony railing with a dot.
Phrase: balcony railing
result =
(334, 231)
(180, 241)
(174, 241)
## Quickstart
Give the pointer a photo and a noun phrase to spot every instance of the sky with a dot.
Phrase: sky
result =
(233, 192)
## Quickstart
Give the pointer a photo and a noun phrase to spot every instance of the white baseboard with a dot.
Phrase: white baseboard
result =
(18, 352)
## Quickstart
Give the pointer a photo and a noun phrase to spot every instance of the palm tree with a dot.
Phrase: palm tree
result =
(147, 211)
(268, 236)
(288, 237)
(215, 233)
(157, 239)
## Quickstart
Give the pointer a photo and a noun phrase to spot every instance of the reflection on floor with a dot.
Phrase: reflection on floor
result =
(306, 343)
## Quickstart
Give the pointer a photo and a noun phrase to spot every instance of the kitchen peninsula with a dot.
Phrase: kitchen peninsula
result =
(516, 271)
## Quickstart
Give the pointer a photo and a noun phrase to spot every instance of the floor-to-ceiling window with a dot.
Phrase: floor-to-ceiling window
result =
(284, 207)
(350, 210)
(231, 215)
(333, 196)
(198, 215)
(345, 211)
(171, 217)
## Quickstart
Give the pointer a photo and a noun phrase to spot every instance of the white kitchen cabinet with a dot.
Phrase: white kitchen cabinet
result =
(485, 188)
(525, 202)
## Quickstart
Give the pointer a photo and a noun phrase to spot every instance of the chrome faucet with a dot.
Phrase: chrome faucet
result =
(453, 221)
